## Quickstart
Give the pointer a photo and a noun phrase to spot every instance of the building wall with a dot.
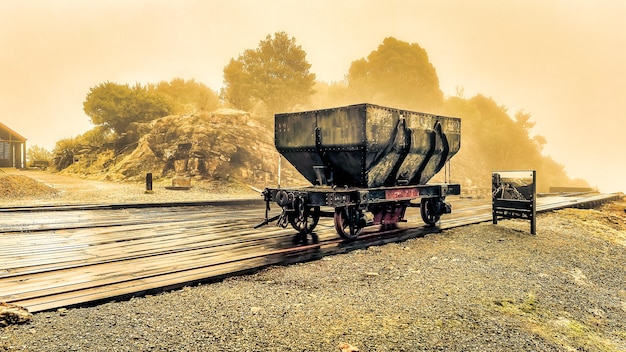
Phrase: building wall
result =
(12, 150)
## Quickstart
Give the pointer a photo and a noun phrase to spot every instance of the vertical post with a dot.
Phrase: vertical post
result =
(533, 203)
(279, 165)
(12, 150)
(493, 200)
(149, 182)
(24, 155)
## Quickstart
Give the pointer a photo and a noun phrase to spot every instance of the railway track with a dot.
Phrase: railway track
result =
(73, 255)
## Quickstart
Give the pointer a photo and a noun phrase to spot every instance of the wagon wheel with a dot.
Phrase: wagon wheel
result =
(306, 224)
(346, 223)
(428, 209)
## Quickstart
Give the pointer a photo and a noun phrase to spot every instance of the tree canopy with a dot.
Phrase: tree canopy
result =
(116, 106)
(396, 74)
(187, 96)
(492, 140)
(275, 77)
(37, 153)
(275, 74)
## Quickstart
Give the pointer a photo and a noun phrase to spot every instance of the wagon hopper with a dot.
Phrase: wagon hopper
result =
(367, 162)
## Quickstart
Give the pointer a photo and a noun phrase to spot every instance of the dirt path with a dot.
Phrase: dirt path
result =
(76, 190)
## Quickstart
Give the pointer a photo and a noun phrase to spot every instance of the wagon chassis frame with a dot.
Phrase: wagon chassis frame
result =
(355, 208)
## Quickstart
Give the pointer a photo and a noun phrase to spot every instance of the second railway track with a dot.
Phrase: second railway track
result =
(54, 258)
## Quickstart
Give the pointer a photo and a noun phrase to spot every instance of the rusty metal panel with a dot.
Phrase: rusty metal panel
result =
(367, 145)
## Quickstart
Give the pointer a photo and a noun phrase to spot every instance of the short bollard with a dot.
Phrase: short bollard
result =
(149, 183)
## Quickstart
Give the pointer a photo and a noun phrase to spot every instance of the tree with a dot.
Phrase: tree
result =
(493, 140)
(275, 74)
(522, 121)
(97, 137)
(188, 96)
(65, 152)
(396, 74)
(329, 94)
(116, 106)
(36, 153)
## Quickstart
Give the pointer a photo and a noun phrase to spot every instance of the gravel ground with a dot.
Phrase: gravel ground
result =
(482, 287)
(65, 189)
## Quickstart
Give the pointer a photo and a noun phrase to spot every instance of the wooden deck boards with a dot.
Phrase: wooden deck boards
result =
(54, 259)
(126, 252)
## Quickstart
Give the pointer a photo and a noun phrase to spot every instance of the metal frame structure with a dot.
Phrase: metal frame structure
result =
(366, 162)
(354, 208)
(508, 203)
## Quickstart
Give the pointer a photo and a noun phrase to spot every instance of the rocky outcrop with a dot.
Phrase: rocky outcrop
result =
(225, 145)
(13, 314)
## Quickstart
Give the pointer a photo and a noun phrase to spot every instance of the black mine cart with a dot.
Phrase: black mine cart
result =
(366, 162)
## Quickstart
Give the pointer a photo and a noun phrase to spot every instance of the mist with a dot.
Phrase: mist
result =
(561, 62)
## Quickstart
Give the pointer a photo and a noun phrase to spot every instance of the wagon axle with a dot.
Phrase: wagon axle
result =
(353, 210)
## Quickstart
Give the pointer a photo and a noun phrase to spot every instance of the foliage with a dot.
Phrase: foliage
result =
(96, 137)
(65, 152)
(330, 95)
(36, 153)
(492, 140)
(189, 96)
(276, 74)
(275, 78)
(397, 74)
(116, 106)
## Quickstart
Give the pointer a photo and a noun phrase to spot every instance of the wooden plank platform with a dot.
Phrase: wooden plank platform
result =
(57, 259)
(64, 258)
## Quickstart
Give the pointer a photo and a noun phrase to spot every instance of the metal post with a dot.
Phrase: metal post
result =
(279, 165)
(149, 182)
(533, 213)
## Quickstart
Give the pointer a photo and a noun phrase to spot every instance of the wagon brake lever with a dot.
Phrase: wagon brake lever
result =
(267, 221)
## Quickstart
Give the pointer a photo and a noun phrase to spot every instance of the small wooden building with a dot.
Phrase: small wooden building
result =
(12, 148)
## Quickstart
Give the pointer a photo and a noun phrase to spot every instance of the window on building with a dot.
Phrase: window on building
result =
(5, 150)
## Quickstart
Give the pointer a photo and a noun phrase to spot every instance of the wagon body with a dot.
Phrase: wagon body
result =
(367, 162)
(367, 145)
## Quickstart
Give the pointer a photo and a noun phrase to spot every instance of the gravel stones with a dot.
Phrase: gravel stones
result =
(482, 287)
(13, 314)
(19, 186)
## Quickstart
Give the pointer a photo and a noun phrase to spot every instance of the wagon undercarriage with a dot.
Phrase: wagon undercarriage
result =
(354, 209)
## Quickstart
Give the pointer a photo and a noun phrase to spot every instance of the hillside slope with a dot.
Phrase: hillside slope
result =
(228, 147)
(224, 146)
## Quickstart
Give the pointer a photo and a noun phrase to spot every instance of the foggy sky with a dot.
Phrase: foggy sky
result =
(560, 61)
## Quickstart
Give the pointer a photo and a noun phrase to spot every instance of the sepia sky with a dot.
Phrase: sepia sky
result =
(562, 61)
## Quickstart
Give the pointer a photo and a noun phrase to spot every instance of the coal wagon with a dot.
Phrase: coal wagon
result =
(367, 163)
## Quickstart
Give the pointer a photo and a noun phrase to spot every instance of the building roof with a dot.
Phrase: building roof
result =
(17, 136)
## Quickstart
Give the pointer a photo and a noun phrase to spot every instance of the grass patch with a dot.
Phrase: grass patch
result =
(557, 327)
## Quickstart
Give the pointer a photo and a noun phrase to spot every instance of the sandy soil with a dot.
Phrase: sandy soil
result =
(74, 190)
